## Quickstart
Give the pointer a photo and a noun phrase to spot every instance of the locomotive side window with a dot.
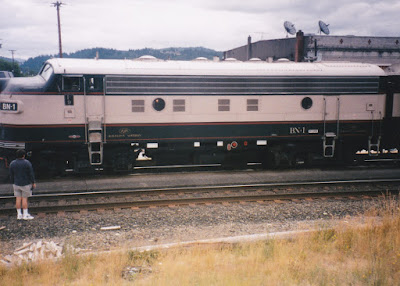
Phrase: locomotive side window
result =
(95, 84)
(223, 104)
(178, 105)
(252, 105)
(71, 83)
(158, 104)
(138, 105)
(306, 103)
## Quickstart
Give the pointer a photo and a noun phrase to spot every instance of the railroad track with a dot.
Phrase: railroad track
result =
(43, 204)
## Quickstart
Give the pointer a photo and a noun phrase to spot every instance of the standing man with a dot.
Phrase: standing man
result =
(23, 180)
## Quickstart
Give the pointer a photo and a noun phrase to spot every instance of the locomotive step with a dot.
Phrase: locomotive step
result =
(95, 137)
(94, 125)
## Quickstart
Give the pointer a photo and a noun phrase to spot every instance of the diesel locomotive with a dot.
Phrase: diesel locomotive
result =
(87, 114)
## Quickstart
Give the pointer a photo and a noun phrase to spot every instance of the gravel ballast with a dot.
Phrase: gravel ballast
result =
(150, 226)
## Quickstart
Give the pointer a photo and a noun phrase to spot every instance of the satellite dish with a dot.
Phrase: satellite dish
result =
(289, 27)
(323, 28)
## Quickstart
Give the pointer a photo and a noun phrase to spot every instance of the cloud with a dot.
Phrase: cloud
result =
(30, 26)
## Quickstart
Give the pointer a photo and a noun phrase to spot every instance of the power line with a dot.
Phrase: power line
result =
(58, 5)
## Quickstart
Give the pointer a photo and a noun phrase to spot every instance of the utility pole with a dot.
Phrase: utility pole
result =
(58, 5)
(12, 53)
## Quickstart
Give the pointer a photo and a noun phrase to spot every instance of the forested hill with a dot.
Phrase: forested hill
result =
(32, 65)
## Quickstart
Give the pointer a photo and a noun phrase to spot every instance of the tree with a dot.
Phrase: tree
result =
(32, 65)
(8, 66)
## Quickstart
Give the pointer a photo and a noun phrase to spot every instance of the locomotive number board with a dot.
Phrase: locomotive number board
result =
(8, 106)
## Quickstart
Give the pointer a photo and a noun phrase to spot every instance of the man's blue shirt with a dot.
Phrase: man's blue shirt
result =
(21, 172)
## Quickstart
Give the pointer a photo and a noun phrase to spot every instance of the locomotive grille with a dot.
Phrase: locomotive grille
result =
(224, 85)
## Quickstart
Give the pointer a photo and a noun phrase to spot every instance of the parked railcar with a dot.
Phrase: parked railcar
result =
(83, 114)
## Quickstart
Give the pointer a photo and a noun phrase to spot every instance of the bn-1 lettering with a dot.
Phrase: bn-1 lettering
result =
(9, 106)
(297, 130)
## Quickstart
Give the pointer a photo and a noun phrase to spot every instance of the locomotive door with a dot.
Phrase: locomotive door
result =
(94, 100)
(94, 108)
(70, 86)
(331, 122)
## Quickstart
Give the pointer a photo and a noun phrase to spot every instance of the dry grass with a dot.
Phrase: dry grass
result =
(367, 254)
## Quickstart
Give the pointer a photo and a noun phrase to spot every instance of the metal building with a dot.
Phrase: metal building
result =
(382, 51)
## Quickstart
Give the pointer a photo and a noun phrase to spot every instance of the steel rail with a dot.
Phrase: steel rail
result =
(147, 191)
(189, 201)
(138, 203)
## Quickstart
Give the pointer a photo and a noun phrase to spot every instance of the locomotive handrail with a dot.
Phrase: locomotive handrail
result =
(84, 108)
(104, 111)
(338, 116)
(324, 116)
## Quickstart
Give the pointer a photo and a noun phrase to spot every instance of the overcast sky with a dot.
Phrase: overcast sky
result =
(30, 26)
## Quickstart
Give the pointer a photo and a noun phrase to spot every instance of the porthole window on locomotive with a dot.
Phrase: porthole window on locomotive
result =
(306, 103)
(158, 104)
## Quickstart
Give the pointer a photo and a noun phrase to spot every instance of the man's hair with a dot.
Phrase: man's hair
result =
(20, 153)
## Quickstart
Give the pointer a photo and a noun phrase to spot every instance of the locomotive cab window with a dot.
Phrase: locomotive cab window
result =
(71, 83)
(46, 72)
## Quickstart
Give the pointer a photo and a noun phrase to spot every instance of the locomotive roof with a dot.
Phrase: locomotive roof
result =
(152, 66)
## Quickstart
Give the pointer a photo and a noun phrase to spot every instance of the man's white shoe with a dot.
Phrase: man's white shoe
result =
(27, 217)
(19, 216)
